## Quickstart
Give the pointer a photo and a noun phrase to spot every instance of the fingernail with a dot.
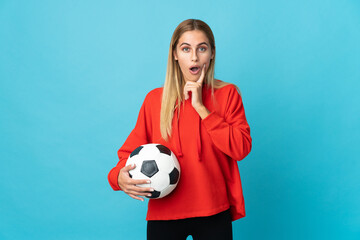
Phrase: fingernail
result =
(148, 181)
(149, 195)
(151, 189)
(142, 200)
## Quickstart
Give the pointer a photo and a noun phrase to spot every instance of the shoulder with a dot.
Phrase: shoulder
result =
(154, 95)
(155, 91)
(228, 96)
(225, 88)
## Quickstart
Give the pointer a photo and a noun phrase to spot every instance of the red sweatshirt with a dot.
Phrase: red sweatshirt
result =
(207, 149)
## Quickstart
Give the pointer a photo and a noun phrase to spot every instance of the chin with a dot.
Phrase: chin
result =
(192, 79)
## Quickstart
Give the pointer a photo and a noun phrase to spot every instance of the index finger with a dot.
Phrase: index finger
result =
(201, 79)
(128, 167)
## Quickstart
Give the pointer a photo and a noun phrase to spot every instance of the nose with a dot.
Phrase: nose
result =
(194, 56)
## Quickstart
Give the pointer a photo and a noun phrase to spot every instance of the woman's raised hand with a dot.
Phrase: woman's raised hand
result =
(128, 185)
(196, 90)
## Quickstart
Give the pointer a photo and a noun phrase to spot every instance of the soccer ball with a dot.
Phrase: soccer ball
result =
(157, 163)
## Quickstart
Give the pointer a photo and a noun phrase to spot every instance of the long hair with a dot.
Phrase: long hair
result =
(174, 80)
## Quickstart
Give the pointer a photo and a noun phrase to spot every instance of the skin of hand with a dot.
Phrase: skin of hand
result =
(128, 185)
(196, 94)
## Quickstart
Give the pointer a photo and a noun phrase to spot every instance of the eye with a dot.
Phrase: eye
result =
(202, 49)
(185, 49)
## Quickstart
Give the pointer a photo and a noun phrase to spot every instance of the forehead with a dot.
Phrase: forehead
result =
(193, 37)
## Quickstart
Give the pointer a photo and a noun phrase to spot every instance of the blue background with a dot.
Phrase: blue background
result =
(75, 73)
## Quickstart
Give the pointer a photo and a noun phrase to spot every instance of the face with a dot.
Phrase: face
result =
(192, 52)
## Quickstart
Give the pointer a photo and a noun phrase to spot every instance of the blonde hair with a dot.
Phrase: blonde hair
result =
(174, 81)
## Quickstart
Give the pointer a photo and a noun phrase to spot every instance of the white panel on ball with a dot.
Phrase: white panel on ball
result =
(165, 163)
(160, 181)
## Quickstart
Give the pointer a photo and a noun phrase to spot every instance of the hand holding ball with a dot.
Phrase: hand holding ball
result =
(158, 164)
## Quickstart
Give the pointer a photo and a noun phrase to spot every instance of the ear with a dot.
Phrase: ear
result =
(175, 55)
(213, 54)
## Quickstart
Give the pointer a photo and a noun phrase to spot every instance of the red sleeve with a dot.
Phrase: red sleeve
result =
(231, 133)
(138, 136)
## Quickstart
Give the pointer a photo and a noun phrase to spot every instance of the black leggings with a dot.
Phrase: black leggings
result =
(218, 226)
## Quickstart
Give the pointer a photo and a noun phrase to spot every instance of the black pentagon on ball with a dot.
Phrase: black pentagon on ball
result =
(154, 194)
(164, 149)
(174, 176)
(130, 175)
(136, 151)
(149, 168)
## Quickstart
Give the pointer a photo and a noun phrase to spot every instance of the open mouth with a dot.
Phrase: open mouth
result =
(194, 70)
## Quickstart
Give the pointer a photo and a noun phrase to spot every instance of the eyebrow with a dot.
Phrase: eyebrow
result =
(198, 44)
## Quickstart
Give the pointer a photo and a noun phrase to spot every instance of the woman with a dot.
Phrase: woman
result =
(202, 120)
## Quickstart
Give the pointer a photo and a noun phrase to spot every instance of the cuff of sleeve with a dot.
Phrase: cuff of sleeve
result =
(212, 121)
(113, 177)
